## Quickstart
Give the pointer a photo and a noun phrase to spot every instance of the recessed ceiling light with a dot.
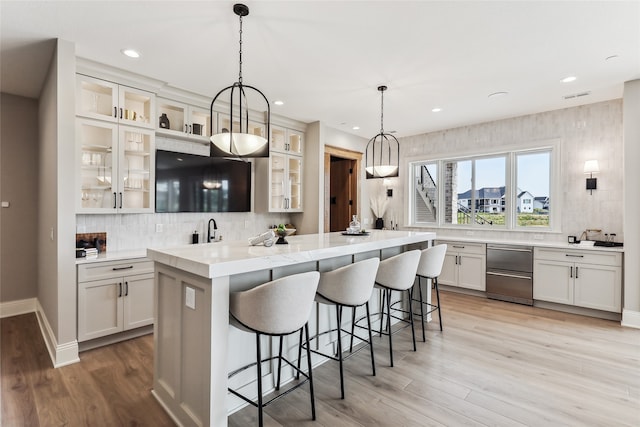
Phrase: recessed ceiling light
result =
(569, 79)
(497, 94)
(356, 128)
(437, 110)
(130, 53)
(278, 102)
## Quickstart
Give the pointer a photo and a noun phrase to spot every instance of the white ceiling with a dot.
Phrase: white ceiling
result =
(325, 59)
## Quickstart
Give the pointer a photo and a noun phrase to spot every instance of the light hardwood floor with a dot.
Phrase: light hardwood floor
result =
(495, 364)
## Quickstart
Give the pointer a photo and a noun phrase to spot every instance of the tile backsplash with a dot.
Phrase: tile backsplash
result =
(138, 231)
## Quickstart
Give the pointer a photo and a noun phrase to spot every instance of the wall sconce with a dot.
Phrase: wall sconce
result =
(591, 167)
(387, 183)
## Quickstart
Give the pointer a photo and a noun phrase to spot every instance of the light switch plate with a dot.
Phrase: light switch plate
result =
(5, 204)
(190, 297)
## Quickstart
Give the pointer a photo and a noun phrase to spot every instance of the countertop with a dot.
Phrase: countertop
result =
(227, 258)
(535, 243)
(113, 256)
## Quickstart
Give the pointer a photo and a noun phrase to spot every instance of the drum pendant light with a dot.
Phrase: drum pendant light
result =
(382, 154)
(237, 140)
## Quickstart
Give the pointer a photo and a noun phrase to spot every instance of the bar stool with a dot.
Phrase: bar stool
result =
(348, 286)
(430, 267)
(397, 274)
(277, 308)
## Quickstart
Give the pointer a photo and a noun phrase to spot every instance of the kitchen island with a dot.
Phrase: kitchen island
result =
(194, 346)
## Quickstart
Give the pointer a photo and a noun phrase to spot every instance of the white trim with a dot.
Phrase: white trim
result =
(15, 308)
(630, 318)
(60, 354)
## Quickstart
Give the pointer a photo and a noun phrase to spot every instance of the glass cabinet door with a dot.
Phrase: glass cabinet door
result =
(96, 98)
(294, 201)
(97, 165)
(136, 165)
(172, 117)
(200, 123)
(295, 141)
(278, 183)
(278, 138)
(136, 107)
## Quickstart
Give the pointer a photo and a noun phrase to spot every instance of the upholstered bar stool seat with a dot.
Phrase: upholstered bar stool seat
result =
(430, 267)
(397, 274)
(348, 286)
(276, 308)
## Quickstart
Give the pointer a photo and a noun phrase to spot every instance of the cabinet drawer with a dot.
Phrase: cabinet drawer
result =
(109, 269)
(464, 247)
(586, 256)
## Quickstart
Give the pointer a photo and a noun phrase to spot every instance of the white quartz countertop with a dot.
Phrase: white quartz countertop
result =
(540, 244)
(113, 256)
(227, 258)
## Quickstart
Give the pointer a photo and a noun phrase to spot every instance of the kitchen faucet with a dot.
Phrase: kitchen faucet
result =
(211, 238)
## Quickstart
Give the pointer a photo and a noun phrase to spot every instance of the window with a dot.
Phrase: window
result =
(508, 190)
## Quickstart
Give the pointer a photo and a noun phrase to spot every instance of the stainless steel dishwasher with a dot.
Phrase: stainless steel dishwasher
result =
(510, 273)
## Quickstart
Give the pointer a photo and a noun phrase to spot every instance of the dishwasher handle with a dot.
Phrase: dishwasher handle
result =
(515, 276)
(501, 248)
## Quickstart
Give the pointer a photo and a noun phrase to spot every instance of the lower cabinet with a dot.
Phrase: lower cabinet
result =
(464, 265)
(584, 278)
(114, 297)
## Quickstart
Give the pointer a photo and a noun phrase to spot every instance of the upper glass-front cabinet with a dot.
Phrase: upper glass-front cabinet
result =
(115, 168)
(184, 121)
(286, 140)
(103, 100)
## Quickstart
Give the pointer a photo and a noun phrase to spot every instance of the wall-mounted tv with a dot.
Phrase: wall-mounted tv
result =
(192, 183)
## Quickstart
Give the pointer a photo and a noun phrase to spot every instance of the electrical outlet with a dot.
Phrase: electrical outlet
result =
(247, 223)
(190, 297)
(159, 228)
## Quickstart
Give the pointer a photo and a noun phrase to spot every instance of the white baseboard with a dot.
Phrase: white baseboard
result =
(16, 308)
(631, 319)
(60, 354)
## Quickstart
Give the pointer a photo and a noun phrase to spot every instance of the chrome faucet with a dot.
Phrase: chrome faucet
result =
(210, 237)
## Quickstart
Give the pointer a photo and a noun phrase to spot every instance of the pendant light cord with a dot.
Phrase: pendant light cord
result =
(240, 68)
(382, 112)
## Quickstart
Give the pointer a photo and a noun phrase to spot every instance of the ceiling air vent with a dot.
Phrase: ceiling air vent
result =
(577, 95)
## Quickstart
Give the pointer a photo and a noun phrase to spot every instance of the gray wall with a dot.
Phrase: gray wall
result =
(19, 187)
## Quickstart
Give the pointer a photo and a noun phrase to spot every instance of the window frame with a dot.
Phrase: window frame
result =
(510, 152)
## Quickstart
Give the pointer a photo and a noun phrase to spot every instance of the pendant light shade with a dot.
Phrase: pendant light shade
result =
(382, 155)
(236, 137)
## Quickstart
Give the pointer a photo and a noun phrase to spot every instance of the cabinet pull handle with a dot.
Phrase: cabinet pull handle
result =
(190, 132)
(120, 112)
(120, 287)
(115, 203)
(459, 247)
(571, 273)
(574, 256)
(186, 128)
(115, 112)
(120, 200)
(577, 272)
(129, 267)
(126, 289)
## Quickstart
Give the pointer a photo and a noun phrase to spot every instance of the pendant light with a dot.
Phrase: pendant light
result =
(382, 154)
(237, 140)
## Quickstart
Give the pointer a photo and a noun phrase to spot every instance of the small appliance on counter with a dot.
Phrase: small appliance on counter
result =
(90, 244)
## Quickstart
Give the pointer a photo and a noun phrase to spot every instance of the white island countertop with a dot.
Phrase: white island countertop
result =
(224, 258)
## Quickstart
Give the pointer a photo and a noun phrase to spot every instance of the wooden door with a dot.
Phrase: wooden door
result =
(340, 196)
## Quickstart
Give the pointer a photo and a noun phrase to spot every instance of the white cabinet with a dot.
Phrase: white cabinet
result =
(464, 265)
(584, 278)
(184, 121)
(281, 191)
(114, 297)
(108, 101)
(115, 168)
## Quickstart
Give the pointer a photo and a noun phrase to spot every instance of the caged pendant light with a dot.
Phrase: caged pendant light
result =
(382, 154)
(237, 140)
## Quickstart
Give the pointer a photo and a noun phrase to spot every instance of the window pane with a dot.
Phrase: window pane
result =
(457, 192)
(490, 191)
(425, 205)
(532, 196)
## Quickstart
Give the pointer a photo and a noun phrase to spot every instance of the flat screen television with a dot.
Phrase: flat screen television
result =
(192, 183)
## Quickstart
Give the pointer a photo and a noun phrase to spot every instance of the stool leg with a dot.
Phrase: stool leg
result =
(383, 302)
(279, 363)
(373, 363)
(388, 294)
(424, 338)
(435, 283)
(299, 354)
(313, 400)
(339, 353)
(353, 327)
(413, 330)
(259, 368)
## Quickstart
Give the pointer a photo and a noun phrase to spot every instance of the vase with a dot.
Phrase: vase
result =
(379, 224)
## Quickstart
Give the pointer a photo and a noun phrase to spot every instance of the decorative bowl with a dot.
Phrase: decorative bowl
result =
(282, 234)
